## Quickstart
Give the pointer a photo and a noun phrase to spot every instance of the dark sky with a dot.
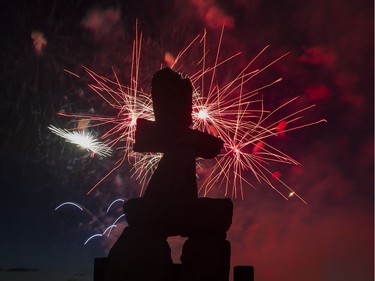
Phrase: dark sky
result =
(330, 64)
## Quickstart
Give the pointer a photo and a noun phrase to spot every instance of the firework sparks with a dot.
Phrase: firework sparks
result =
(239, 118)
(249, 151)
(144, 167)
(83, 139)
(229, 110)
(130, 103)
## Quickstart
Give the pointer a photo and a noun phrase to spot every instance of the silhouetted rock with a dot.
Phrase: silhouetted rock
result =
(100, 268)
(243, 273)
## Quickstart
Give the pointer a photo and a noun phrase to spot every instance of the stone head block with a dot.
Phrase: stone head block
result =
(172, 98)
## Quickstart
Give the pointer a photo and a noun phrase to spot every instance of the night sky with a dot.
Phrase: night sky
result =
(330, 64)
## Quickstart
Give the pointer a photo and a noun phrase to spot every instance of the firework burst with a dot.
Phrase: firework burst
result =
(230, 110)
(249, 151)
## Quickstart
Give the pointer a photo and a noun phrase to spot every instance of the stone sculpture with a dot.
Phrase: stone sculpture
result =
(170, 205)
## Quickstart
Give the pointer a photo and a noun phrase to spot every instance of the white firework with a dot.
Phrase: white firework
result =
(83, 139)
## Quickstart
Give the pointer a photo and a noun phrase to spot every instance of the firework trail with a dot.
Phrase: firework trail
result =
(230, 110)
(69, 203)
(97, 221)
(107, 231)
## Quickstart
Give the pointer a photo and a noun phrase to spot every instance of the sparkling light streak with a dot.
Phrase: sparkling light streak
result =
(92, 236)
(144, 166)
(83, 139)
(94, 219)
(107, 231)
(115, 201)
(69, 203)
(109, 228)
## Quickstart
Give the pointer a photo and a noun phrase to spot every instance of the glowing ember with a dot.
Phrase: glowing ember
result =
(39, 42)
(203, 114)
(235, 150)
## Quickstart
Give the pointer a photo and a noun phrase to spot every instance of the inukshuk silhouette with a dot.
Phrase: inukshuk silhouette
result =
(170, 205)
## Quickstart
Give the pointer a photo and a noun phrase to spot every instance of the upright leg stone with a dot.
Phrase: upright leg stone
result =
(140, 255)
(205, 258)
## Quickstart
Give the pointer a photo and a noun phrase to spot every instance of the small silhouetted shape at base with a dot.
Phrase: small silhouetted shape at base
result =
(243, 273)
(100, 267)
(176, 271)
(240, 273)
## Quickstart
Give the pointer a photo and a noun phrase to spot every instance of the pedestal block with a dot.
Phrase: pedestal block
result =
(142, 251)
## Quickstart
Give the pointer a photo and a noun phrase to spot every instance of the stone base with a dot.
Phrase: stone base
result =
(142, 252)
